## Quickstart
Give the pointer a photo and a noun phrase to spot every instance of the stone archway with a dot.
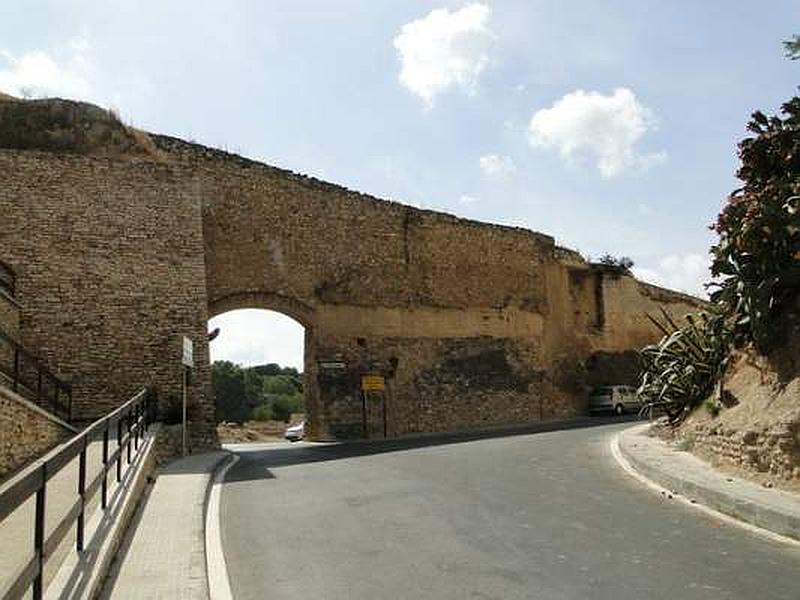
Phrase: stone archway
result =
(305, 316)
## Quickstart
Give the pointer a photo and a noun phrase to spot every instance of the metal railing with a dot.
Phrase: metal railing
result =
(30, 378)
(131, 421)
(8, 279)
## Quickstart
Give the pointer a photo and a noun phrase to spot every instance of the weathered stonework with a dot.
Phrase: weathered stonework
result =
(772, 450)
(117, 253)
(9, 323)
(9, 315)
(26, 433)
(755, 428)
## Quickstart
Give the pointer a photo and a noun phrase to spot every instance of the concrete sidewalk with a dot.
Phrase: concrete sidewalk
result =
(686, 475)
(163, 555)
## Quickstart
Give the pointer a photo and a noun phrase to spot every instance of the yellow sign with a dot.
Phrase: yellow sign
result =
(372, 383)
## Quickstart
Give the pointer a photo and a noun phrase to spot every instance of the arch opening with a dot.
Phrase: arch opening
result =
(258, 372)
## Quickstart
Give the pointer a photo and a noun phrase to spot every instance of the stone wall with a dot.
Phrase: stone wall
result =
(771, 450)
(9, 315)
(110, 271)
(9, 323)
(25, 433)
(119, 251)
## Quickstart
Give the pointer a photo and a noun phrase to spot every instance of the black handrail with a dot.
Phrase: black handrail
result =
(131, 421)
(32, 379)
(8, 280)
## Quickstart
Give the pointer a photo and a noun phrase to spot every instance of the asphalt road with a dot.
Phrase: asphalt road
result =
(544, 515)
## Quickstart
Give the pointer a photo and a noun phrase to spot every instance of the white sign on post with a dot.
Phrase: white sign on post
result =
(188, 353)
(187, 360)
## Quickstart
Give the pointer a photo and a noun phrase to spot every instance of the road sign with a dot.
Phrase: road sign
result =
(187, 359)
(332, 365)
(372, 383)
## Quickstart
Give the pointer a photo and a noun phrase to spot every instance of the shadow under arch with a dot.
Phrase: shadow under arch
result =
(306, 316)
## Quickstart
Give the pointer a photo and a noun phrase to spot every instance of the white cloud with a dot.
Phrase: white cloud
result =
(496, 165)
(686, 273)
(444, 50)
(466, 199)
(607, 127)
(256, 337)
(66, 72)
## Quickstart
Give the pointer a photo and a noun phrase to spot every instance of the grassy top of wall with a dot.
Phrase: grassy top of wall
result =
(68, 126)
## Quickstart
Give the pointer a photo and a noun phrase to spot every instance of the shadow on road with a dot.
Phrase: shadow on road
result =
(255, 463)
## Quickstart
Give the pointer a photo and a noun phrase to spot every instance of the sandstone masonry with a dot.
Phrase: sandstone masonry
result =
(121, 249)
(27, 432)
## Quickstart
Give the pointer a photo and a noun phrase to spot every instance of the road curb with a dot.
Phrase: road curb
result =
(779, 524)
(219, 587)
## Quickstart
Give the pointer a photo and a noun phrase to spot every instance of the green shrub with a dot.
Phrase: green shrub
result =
(262, 413)
(280, 384)
(680, 371)
(713, 407)
(284, 405)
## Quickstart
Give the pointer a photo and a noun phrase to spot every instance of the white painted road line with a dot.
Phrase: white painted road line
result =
(219, 587)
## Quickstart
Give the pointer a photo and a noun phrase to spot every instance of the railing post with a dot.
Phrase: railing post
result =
(104, 484)
(119, 446)
(130, 429)
(81, 493)
(69, 403)
(38, 535)
(147, 408)
(136, 427)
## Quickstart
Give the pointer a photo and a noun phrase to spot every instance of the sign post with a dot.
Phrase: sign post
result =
(372, 384)
(187, 362)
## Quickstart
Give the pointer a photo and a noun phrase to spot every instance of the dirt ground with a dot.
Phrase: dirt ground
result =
(254, 431)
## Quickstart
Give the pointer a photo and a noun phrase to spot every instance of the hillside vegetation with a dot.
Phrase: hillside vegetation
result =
(740, 359)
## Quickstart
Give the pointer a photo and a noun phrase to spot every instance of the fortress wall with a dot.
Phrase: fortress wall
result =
(9, 315)
(322, 244)
(449, 311)
(471, 324)
(109, 262)
(627, 304)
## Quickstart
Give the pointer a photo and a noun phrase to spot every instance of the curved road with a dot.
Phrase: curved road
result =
(542, 515)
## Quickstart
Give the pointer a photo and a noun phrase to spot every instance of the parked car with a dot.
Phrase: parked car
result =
(295, 432)
(614, 398)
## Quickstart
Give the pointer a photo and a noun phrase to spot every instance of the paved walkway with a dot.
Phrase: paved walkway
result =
(16, 532)
(684, 474)
(164, 557)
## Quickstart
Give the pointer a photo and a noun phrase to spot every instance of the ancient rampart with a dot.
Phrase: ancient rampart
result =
(124, 241)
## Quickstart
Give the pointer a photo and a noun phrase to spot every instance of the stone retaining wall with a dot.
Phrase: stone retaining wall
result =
(25, 433)
(773, 450)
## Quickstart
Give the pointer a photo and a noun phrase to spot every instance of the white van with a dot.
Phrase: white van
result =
(614, 398)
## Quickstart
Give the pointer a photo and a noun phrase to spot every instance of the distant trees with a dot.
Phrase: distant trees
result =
(260, 393)
(227, 381)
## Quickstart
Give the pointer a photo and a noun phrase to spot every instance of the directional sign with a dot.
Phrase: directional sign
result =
(372, 383)
(332, 365)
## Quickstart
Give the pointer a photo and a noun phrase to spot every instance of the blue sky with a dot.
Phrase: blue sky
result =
(609, 125)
